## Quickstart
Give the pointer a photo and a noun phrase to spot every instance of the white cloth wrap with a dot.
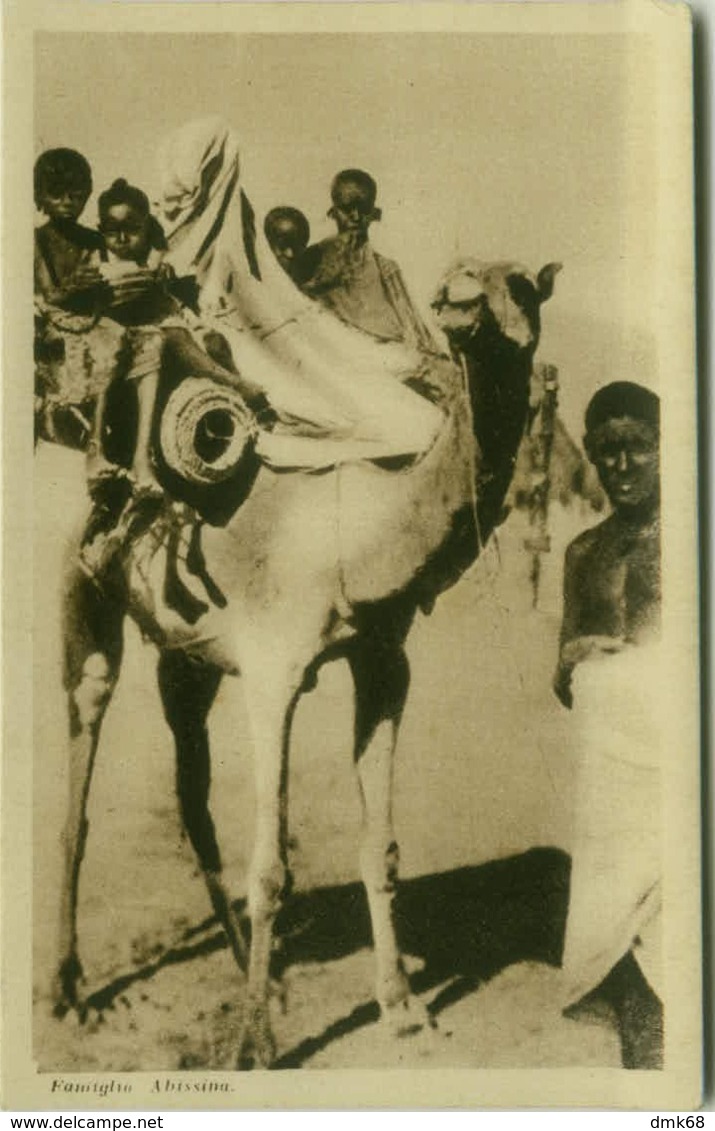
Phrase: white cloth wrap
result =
(615, 899)
(340, 392)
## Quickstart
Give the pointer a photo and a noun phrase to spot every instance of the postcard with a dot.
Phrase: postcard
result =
(350, 603)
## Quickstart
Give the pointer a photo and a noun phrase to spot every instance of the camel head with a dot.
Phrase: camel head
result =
(491, 316)
(489, 303)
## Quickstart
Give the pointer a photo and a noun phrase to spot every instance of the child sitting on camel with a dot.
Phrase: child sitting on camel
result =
(141, 300)
(76, 349)
(67, 255)
(288, 233)
(347, 276)
(156, 309)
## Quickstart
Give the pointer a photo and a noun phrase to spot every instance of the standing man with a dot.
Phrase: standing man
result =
(609, 673)
(347, 276)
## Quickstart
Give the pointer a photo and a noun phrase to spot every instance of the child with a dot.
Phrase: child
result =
(75, 349)
(131, 234)
(609, 674)
(345, 274)
(140, 301)
(153, 307)
(67, 255)
(288, 233)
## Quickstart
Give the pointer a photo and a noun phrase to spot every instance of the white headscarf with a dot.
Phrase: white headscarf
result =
(197, 164)
(209, 225)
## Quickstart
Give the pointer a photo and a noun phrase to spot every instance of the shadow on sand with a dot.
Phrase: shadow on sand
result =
(464, 925)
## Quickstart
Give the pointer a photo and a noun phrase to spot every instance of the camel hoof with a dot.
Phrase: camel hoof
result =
(65, 995)
(406, 1017)
(257, 1047)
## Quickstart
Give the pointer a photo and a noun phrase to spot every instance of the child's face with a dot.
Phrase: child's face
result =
(626, 454)
(353, 207)
(287, 242)
(63, 202)
(126, 232)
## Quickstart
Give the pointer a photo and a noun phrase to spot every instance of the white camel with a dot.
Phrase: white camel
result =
(307, 568)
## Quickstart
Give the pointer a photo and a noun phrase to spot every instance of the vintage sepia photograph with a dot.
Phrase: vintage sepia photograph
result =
(351, 603)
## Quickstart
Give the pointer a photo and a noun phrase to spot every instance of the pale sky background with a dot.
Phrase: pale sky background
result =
(532, 148)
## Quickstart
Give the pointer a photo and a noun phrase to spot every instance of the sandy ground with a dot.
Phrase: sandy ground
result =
(484, 788)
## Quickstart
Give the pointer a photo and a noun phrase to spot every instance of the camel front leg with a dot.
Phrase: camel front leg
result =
(93, 650)
(271, 705)
(188, 690)
(382, 677)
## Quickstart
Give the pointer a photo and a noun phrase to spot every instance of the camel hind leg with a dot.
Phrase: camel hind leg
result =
(92, 632)
(188, 690)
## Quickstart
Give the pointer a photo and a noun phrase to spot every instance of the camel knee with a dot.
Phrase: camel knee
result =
(90, 697)
(265, 891)
(380, 866)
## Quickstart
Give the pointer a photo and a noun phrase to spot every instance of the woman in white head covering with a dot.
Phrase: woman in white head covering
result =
(339, 394)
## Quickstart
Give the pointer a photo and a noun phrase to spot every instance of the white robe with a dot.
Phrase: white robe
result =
(615, 902)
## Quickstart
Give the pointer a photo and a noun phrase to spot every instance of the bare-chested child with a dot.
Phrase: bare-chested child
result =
(609, 674)
(67, 255)
(288, 233)
(75, 348)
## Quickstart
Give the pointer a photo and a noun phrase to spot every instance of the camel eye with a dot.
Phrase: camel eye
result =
(476, 303)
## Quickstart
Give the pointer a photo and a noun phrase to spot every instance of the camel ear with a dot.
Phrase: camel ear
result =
(545, 280)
